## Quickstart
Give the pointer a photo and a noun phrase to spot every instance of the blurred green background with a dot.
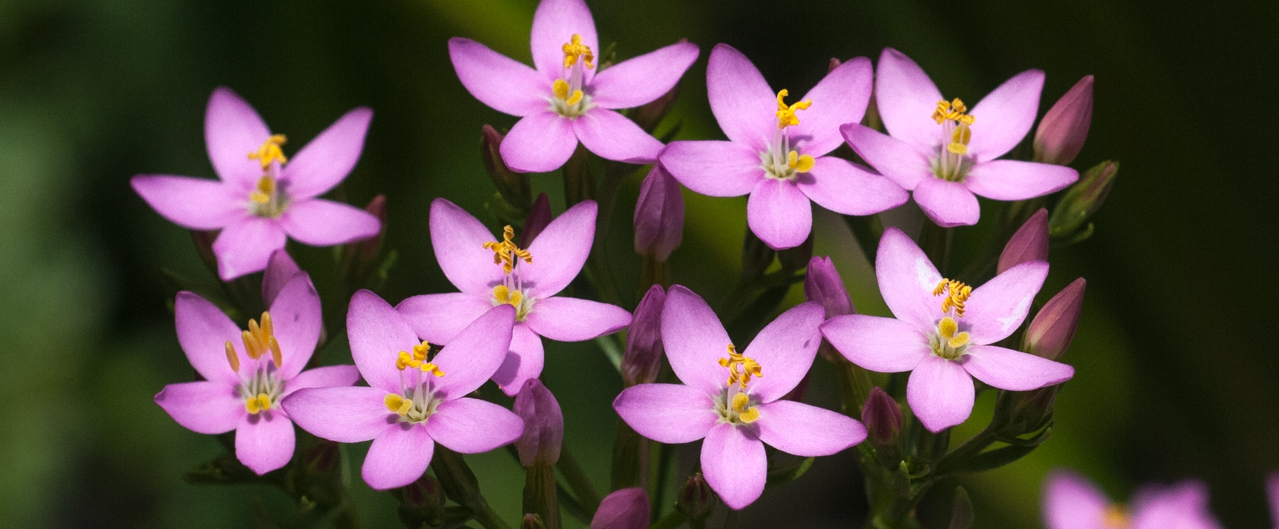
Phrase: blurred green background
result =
(1177, 376)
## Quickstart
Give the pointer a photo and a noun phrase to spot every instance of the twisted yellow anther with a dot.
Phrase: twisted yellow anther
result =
(270, 151)
(957, 296)
(740, 368)
(259, 340)
(506, 252)
(786, 114)
(417, 360)
(574, 49)
(952, 110)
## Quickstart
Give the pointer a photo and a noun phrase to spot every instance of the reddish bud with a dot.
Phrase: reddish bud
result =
(623, 509)
(279, 270)
(1061, 133)
(834, 63)
(883, 419)
(543, 425)
(1050, 333)
(643, 356)
(659, 215)
(823, 285)
(539, 216)
(696, 500)
(1030, 243)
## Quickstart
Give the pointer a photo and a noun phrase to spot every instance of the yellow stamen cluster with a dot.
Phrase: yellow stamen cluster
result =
(955, 111)
(800, 164)
(270, 151)
(561, 90)
(1116, 517)
(417, 360)
(264, 191)
(506, 252)
(745, 413)
(258, 340)
(574, 50)
(398, 404)
(946, 329)
(258, 404)
(740, 368)
(504, 295)
(956, 295)
(786, 114)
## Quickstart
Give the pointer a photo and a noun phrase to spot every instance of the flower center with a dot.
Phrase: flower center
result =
(567, 98)
(262, 387)
(946, 342)
(511, 290)
(734, 405)
(780, 161)
(1116, 517)
(267, 199)
(952, 162)
(416, 400)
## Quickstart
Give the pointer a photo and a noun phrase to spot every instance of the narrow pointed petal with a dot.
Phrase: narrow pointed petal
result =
(735, 465)
(523, 361)
(470, 358)
(280, 268)
(458, 240)
(623, 509)
(1071, 502)
(203, 331)
(559, 251)
(940, 393)
(297, 320)
(320, 222)
(842, 187)
(437, 318)
(1018, 180)
(193, 203)
(807, 431)
(538, 143)
(232, 130)
(202, 407)
(642, 79)
(885, 345)
(612, 136)
(713, 168)
(906, 98)
(323, 377)
(667, 413)
(907, 279)
(997, 308)
(573, 320)
(695, 340)
(742, 102)
(498, 81)
(1004, 116)
(841, 97)
(785, 349)
(398, 457)
(264, 442)
(1013, 370)
(554, 24)
(904, 163)
(245, 246)
(471, 426)
(779, 214)
(947, 203)
(327, 159)
(349, 414)
(377, 333)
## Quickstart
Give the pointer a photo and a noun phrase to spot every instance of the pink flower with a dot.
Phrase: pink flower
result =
(1071, 502)
(413, 400)
(565, 99)
(247, 373)
(733, 399)
(493, 271)
(943, 332)
(945, 154)
(776, 149)
(262, 196)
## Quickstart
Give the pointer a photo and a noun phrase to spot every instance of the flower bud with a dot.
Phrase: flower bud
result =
(793, 259)
(659, 215)
(623, 509)
(512, 186)
(756, 256)
(421, 502)
(1083, 199)
(1029, 243)
(366, 251)
(883, 419)
(1061, 133)
(543, 425)
(539, 216)
(279, 270)
(1050, 333)
(823, 285)
(643, 356)
(696, 500)
(1023, 412)
(834, 63)
(204, 248)
(532, 521)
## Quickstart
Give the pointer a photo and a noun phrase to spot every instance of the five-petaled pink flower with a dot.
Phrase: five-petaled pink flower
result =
(732, 399)
(1071, 502)
(262, 196)
(943, 333)
(565, 100)
(493, 271)
(776, 151)
(413, 400)
(946, 154)
(247, 373)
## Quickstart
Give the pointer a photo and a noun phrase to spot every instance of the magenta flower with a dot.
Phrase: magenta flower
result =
(945, 154)
(943, 332)
(776, 151)
(493, 271)
(262, 196)
(413, 400)
(565, 100)
(1071, 502)
(732, 399)
(247, 373)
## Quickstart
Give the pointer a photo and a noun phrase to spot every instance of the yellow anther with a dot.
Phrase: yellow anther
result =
(953, 111)
(560, 88)
(506, 252)
(252, 405)
(231, 357)
(504, 295)
(398, 404)
(959, 340)
(786, 114)
(956, 295)
(745, 413)
(433, 369)
(260, 339)
(264, 191)
(1116, 517)
(417, 360)
(421, 350)
(404, 361)
(574, 49)
(748, 367)
(270, 151)
(801, 164)
(947, 327)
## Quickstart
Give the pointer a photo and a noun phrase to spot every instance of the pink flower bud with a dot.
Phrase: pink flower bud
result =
(623, 509)
(532, 521)
(279, 270)
(1030, 243)
(696, 500)
(368, 249)
(883, 419)
(834, 63)
(1052, 329)
(539, 216)
(659, 215)
(543, 425)
(1061, 133)
(823, 285)
(643, 356)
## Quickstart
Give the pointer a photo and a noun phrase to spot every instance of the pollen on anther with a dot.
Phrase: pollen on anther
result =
(231, 357)
(270, 151)
(786, 113)
(957, 294)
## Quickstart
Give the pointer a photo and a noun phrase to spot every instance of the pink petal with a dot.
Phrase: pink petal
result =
(1272, 494)
(879, 344)
(1017, 180)
(785, 349)
(297, 320)
(906, 99)
(232, 130)
(348, 414)
(322, 164)
(713, 168)
(573, 320)
(458, 240)
(202, 407)
(280, 268)
(940, 393)
(779, 214)
(695, 340)
(471, 426)
(498, 81)
(523, 361)
(559, 251)
(323, 223)
(841, 97)
(554, 24)
(735, 465)
(264, 442)
(612, 136)
(377, 334)
(842, 187)
(1183, 505)
(902, 162)
(474, 354)
(1013, 370)
(245, 246)
(743, 104)
(1004, 116)
(642, 79)
(1071, 502)
(203, 331)
(667, 413)
(398, 456)
(997, 308)
(907, 279)
(323, 377)
(947, 203)
(192, 203)
(437, 318)
(538, 143)
(807, 431)
(623, 509)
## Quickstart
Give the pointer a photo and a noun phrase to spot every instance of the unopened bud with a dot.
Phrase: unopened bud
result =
(421, 502)
(1029, 243)
(539, 216)
(532, 521)
(543, 425)
(834, 63)
(1083, 199)
(643, 355)
(1050, 333)
(823, 285)
(321, 458)
(366, 251)
(883, 419)
(204, 248)
(696, 500)
(1026, 411)
(512, 186)
(280, 268)
(659, 215)
(623, 509)
(756, 256)
(793, 259)
(1061, 133)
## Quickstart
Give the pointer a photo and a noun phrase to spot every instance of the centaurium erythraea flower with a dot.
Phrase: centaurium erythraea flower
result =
(262, 197)
(943, 331)
(413, 399)
(493, 270)
(566, 99)
(732, 399)
(247, 373)
(776, 150)
(946, 154)
(1071, 502)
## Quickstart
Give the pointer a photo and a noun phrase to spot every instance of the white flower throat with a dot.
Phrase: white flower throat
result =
(735, 405)
(952, 162)
(417, 400)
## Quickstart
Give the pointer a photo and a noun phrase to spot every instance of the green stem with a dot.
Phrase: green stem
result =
(670, 521)
(611, 350)
(577, 481)
(966, 451)
(540, 496)
(935, 241)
